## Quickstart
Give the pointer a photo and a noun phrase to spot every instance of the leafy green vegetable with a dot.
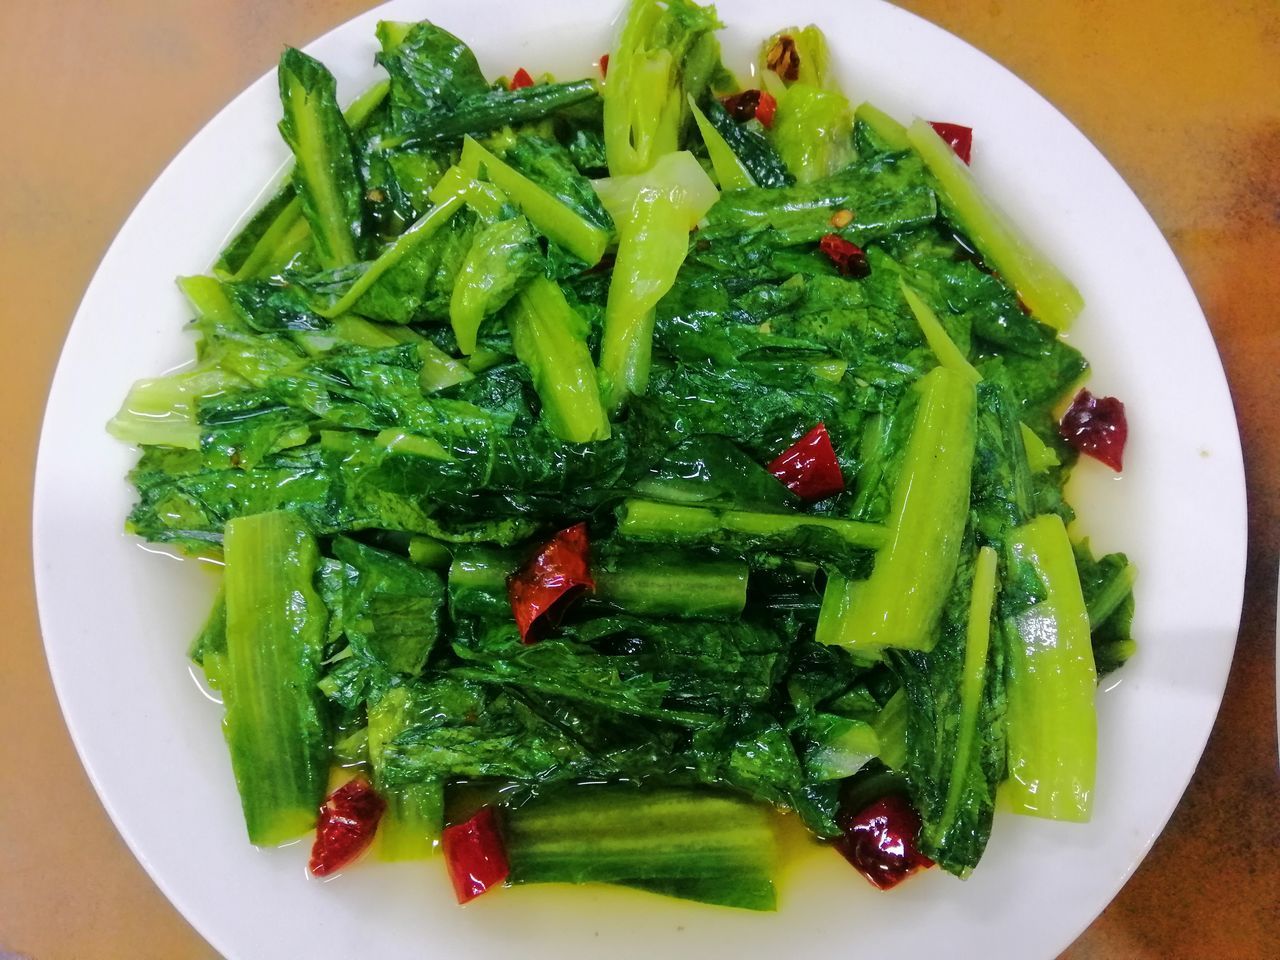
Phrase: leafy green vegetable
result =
(556, 219)
(1052, 727)
(885, 195)
(502, 258)
(665, 53)
(821, 539)
(751, 146)
(730, 170)
(551, 340)
(1049, 294)
(699, 846)
(473, 316)
(325, 176)
(899, 605)
(654, 213)
(275, 723)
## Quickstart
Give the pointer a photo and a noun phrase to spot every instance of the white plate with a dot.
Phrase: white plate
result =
(117, 620)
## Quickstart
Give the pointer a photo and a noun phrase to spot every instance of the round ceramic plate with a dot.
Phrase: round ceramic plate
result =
(117, 619)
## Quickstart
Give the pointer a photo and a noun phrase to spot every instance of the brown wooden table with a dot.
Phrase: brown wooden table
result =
(1183, 96)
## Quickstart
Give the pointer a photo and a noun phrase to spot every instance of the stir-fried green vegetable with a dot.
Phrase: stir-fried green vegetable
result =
(537, 456)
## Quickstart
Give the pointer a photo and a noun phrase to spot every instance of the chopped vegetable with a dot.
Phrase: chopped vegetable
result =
(348, 822)
(701, 846)
(551, 579)
(324, 176)
(475, 855)
(880, 841)
(628, 462)
(551, 340)
(899, 605)
(1096, 426)
(1050, 296)
(665, 53)
(957, 137)
(849, 259)
(730, 170)
(808, 468)
(275, 723)
(1052, 678)
(654, 213)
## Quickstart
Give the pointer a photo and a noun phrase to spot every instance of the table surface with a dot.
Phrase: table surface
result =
(1183, 96)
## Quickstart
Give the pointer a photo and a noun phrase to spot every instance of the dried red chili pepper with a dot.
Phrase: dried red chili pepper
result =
(767, 107)
(475, 855)
(743, 105)
(784, 59)
(347, 824)
(520, 79)
(809, 468)
(958, 137)
(880, 841)
(551, 579)
(1096, 426)
(849, 258)
(604, 65)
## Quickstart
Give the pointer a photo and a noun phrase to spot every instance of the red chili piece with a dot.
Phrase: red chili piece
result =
(744, 105)
(604, 65)
(808, 468)
(880, 841)
(520, 79)
(550, 580)
(475, 855)
(1096, 426)
(849, 258)
(959, 138)
(767, 107)
(348, 821)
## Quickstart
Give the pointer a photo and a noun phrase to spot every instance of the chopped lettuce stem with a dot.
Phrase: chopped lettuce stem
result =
(279, 232)
(730, 171)
(943, 347)
(658, 586)
(891, 133)
(162, 412)
(503, 256)
(324, 174)
(899, 605)
(665, 52)
(583, 239)
(679, 523)
(976, 647)
(813, 131)
(1051, 720)
(1040, 456)
(1050, 296)
(714, 844)
(275, 715)
(551, 340)
(654, 213)
(423, 228)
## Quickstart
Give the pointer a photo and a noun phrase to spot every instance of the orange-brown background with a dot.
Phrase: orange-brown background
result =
(1183, 96)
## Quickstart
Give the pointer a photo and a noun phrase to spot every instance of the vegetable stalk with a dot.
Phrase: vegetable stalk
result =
(899, 605)
(1052, 724)
(275, 723)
